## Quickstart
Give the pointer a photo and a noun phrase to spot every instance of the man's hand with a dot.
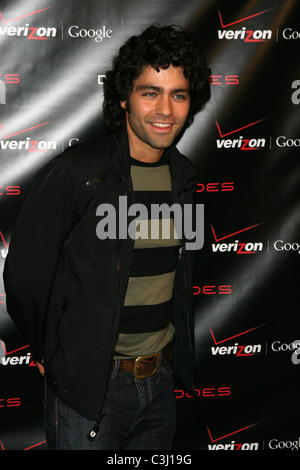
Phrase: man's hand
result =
(41, 368)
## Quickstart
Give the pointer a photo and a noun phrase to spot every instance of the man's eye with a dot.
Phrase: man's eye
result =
(180, 97)
(151, 94)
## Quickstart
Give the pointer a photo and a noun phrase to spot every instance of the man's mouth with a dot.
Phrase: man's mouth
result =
(161, 125)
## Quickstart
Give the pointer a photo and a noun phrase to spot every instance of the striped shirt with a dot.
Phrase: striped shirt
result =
(145, 325)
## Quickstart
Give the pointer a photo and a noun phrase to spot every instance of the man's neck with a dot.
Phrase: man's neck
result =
(141, 151)
(147, 158)
(144, 153)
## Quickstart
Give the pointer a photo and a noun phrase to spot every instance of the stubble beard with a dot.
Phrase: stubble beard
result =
(157, 142)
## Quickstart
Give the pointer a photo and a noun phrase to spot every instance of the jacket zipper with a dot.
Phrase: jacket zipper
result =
(93, 181)
(181, 255)
(187, 187)
(91, 436)
(96, 428)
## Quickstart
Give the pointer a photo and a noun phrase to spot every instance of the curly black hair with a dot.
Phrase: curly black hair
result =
(159, 47)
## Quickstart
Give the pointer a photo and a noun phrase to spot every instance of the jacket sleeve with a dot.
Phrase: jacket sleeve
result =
(34, 250)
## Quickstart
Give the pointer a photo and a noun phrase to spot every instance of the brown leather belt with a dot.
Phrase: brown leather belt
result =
(146, 366)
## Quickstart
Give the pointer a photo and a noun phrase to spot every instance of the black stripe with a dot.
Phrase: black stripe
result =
(146, 318)
(153, 261)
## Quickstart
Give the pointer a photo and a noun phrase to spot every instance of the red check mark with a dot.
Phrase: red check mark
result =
(242, 19)
(20, 132)
(22, 16)
(227, 435)
(11, 352)
(27, 448)
(3, 239)
(234, 233)
(235, 336)
(239, 129)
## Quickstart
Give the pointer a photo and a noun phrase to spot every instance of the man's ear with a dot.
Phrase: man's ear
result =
(123, 104)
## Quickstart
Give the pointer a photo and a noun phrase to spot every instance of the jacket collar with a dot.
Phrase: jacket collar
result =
(121, 153)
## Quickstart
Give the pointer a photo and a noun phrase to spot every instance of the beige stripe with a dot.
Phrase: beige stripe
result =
(155, 233)
(149, 290)
(155, 178)
(143, 344)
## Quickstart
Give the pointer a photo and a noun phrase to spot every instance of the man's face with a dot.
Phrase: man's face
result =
(158, 107)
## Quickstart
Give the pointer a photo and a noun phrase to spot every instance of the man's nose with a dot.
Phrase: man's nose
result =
(164, 106)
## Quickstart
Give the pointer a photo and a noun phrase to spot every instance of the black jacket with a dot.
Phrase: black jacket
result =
(65, 287)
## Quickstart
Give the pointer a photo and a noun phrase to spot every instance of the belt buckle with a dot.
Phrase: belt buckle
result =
(137, 361)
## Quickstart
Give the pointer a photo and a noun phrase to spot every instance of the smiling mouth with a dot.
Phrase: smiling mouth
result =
(161, 125)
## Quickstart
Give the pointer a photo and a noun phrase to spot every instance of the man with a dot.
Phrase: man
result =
(109, 317)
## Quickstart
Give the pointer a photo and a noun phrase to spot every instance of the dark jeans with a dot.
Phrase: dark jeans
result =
(139, 414)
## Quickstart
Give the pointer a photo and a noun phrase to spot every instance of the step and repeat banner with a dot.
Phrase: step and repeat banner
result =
(245, 146)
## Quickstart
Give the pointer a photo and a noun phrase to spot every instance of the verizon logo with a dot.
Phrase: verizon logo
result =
(240, 248)
(30, 32)
(244, 34)
(232, 445)
(236, 349)
(240, 142)
(11, 359)
(26, 144)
